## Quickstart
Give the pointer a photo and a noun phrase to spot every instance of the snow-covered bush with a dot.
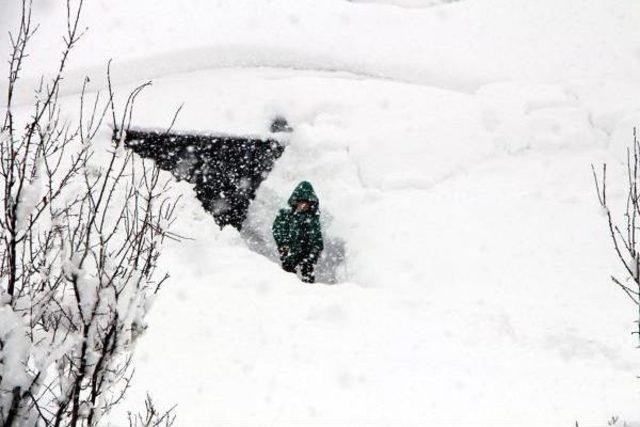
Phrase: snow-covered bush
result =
(80, 235)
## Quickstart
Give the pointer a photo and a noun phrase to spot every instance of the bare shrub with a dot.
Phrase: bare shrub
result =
(152, 417)
(625, 233)
(80, 238)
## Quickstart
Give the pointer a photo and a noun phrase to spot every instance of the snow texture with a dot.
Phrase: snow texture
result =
(14, 351)
(450, 147)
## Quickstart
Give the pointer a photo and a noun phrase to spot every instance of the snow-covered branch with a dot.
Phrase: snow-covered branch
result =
(79, 244)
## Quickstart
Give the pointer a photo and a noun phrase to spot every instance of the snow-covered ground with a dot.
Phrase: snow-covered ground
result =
(459, 45)
(407, 3)
(476, 272)
(451, 149)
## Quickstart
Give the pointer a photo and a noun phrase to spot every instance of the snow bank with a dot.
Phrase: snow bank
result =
(476, 260)
(459, 45)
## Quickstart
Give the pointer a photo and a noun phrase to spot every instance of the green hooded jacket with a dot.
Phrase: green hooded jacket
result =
(299, 231)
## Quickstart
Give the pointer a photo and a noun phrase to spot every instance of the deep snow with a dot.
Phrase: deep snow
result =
(451, 150)
(476, 272)
(460, 45)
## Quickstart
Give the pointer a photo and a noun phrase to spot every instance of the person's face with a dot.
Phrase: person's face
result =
(303, 206)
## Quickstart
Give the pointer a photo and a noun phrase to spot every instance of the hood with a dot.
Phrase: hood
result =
(304, 191)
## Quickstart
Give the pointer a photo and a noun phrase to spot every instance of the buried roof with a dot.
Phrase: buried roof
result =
(226, 170)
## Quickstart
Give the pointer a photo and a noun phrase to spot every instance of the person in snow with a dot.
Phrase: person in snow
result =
(297, 232)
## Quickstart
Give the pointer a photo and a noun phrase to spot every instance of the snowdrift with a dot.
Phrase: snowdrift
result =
(450, 147)
(476, 263)
(460, 45)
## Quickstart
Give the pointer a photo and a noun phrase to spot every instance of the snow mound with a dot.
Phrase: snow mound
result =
(450, 148)
(460, 46)
(466, 221)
